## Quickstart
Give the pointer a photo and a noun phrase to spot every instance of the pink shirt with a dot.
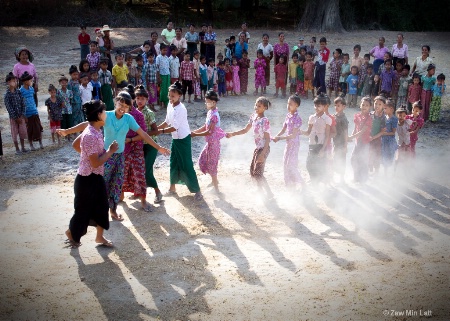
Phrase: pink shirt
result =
(19, 69)
(259, 127)
(91, 143)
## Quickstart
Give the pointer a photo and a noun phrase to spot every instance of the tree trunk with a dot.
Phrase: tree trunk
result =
(321, 16)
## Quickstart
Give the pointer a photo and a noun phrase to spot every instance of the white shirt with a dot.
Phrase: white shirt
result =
(174, 65)
(319, 128)
(86, 93)
(177, 118)
(266, 50)
(403, 132)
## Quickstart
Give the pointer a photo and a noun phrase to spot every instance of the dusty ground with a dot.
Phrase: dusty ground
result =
(344, 253)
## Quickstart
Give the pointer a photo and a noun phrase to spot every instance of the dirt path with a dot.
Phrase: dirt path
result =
(345, 253)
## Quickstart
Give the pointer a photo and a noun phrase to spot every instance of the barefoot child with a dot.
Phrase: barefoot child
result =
(388, 141)
(308, 69)
(244, 65)
(416, 125)
(54, 109)
(404, 140)
(107, 84)
(66, 96)
(280, 77)
(187, 75)
(237, 78)
(85, 88)
(291, 127)
(209, 157)
(203, 71)
(340, 139)
(378, 126)
(74, 87)
(34, 127)
(149, 80)
(16, 107)
(414, 91)
(260, 73)
(260, 126)
(436, 101)
(163, 75)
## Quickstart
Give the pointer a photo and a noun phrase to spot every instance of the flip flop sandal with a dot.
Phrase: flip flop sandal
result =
(106, 244)
(117, 217)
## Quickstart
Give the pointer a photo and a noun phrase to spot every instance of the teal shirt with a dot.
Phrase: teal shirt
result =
(117, 129)
(428, 82)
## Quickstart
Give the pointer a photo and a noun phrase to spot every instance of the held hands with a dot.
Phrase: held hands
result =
(164, 151)
(275, 139)
(228, 135)
(193, 134)
(113, 147)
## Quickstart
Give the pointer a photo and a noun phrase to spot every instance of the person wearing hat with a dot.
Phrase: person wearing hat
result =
(84, 40)
(15, 105)
(34, 127)
(24, 58)
(209, 157)
(109, 45)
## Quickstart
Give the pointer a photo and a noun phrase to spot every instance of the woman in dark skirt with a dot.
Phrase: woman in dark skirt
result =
(91, 200)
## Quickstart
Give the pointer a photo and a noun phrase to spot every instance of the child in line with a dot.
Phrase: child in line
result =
(280, 77)
(163, 75)
(387, 78)
(403, 83)
(260, 126)
(219, 58)
(208, 160)
(388, 141)
(362, 74)
(54, 109)
(236, 69)
(212, 74)
(34, 127)
(416, 125)
(107, 84)
(308, 69)
(396, 81)
(85, 67)
(414, 91)
(292, 74)
(376, 86)
(96, 86)
(120, 74)
(135, 72)
(378, 127)
(74, 87)
(321, 63)
(436, 101)
(83, 39)
(196, 81)
(368, 82)
(260, 72)
(94, 56)
(203, 69)
(356, 59)
(16, 107)
(149, 80)
(335, 71)
(352, 85)
(187, 75)
(85, 89)
(66, 96)
(291, 127)
(340, 139)
(221, 79)
(300, 90)
(428, 82)
(244, 65)
(228, 76)
(345, 72)
(404, 140)
(174, 64)
(319, 125)
(361, 133)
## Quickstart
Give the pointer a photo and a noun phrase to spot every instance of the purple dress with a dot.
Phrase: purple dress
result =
(290, 157)
(260, 73)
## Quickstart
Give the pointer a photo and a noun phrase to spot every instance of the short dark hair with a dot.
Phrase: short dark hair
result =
(321, 99)
(340, 100)
(407, 67)
(357, 47)
(417, 104)
(140, 91)
(177, 87)
(296, 99)
(263, 100)
(345, 55)
(323, 39)
(92, 109)
(367, 56)
(440, 77)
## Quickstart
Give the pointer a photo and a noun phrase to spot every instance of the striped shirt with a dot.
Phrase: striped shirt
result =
(149, 74)
(105, 77)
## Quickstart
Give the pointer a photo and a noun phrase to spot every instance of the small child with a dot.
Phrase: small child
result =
(414, 91)
(85, 89)
(387, 78)
(34, 127)
(16, 107)
(387, 57)
(66, 96)
(404, 140)
(340, 139)
(308, 69)
(219, 58)
(376, 86)
(74, 86)
(221, 79)
(93, 57)
(403, 83)
(428, 82)
(319, 126)
(260, 72)
(208, 160)
(99, 39)
(212, 74)
(335, 72)
(300, 90)
(107, 84)
(291, 127)
(120, 74)
(260, 126)
(84, 39)
(362, 74)
(388, 142)
(378, 126)
(163, 75)
(187, 75)
(416, 125)
(436, 101)
(352, 85)
(174, 64)
(228, 76)
(321, 63)
(84, 67)
(135, 72)
(345, 72)
(280, 77)
(232, 45)
(292, 74)
(226, 49)
(368, 82)
(356, 59)
(96, 86)
(54, 109)
(361, 133)
(149, 80)
(396, 81)
(237, 81)
(203, 69)
(196, 81)
(244, 65)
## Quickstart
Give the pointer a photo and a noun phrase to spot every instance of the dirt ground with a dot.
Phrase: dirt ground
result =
(350, 252)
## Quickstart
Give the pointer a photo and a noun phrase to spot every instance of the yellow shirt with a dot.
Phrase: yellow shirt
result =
(292, 70)
(120, 73)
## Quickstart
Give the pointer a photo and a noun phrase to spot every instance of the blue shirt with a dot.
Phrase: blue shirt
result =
(352, 81)
(28, 95)
(162, 65)
(437, 90)
(238, 49)
(117, 129)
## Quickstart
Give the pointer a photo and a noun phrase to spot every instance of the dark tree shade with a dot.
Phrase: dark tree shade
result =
(321, 16)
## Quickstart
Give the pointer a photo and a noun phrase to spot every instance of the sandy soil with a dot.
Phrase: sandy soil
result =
(373, 252)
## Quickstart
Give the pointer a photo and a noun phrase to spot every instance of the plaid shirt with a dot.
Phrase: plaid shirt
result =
(150, 119)
(187, 70)
(362, 73)
(15, 104)
(149, 74)
(105, 77)
(94, 60)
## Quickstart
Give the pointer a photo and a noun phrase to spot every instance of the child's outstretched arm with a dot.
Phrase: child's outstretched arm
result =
(97, 160)
(240, 132)
(75, 129)
(308, 131)
(151, 142)
(203, 131)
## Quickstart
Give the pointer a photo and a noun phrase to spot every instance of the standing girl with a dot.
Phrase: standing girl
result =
(66, 96)
(436, 101)
(291, 127)
(55, 106)
(91, 198)
(335, 72)
(244, 65)
(181, 166)
(191, 40)
(260, 126)
(388, 142)
(209, 157)
(428, 82)
(267, 49)
(280, 77)
(74, 86)
(236, 80)
(414, 91)
(228, 76)
(24, 58)
(85, 67)
(260, 66)
(416, 125)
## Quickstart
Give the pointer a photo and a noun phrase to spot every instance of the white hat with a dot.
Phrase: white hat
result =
(106, 28)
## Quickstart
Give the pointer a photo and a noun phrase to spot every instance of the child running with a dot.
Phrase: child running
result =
(209, 157)
(260, 126)
(291, 127)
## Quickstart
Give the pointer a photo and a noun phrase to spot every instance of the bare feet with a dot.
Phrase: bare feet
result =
(115, 216)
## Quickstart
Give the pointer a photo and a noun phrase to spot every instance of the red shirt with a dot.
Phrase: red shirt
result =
(84, 40)
(281, 71)
(414, 92)
(362, 121)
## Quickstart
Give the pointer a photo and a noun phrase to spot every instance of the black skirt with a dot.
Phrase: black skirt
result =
(91, 205)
